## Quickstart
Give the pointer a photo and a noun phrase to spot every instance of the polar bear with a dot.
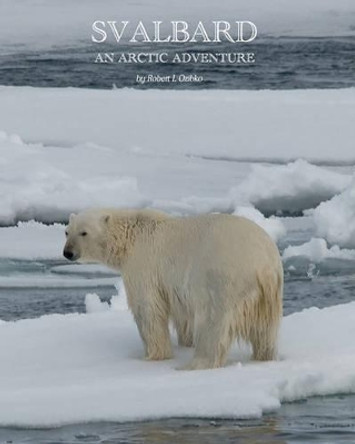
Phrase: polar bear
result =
(218, 278)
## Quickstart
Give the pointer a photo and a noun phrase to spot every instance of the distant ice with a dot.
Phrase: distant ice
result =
(317, 250)
(293, 187)
(48, 183)
(192, 167)
(290, 124)
(335, 218)
(35, 187)
(61, 369)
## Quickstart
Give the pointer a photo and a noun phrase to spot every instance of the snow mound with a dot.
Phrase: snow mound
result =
(272, 225)
(11, 138)
(317, 250)
(292, 188)
(93, 304)
(61, 369)
(335, 219)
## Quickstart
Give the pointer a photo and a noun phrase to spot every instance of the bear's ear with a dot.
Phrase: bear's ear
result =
(71, 217)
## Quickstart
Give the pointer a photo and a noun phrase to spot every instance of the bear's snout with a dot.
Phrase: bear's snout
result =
(69, 255)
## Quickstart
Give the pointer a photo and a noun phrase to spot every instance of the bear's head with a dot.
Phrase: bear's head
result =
(86, 237)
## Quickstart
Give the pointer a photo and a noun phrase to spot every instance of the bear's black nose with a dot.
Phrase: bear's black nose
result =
(69, 254)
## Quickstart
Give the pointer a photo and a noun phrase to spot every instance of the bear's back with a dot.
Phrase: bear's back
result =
(213, 238)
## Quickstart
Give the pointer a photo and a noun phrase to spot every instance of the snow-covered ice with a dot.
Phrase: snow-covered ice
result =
(61, 369)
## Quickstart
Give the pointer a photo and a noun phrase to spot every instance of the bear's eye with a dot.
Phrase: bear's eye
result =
(83, 233)
(66, 233)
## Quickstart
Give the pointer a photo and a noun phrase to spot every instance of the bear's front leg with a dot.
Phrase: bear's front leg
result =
(153, 326)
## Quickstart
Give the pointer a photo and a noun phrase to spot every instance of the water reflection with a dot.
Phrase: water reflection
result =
(208, 432)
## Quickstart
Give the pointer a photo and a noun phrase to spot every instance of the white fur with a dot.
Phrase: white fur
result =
(217, 277)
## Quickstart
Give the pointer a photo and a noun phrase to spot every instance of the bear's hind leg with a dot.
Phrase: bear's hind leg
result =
(267, 315)
(264, 343)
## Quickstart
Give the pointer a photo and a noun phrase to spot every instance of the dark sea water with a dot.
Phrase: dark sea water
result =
(280, 63)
